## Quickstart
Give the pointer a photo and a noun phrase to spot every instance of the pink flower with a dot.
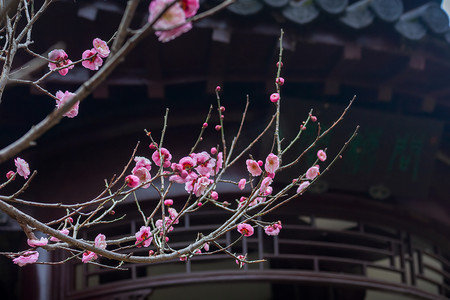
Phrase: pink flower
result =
(167, 225)
(213, 150)
(142, 162)
(190, 182)
(268, 191)
(201, 185)
(275, 97)
(168, 202)
(265, 184)
(280, 80)
(29, 257)
(100, 241)
(132, 181)
(302, 187)
(240, 259)
(190, 7)
(165, 155)
(101, 47)
(272, 163)
(175, 16)
(144, 176)
(214, 195)
(312, 172)
(93, 60)
(253, 167)
(145, 236)
(273, 229)
(23, 169)
(187, 163)
(313, 118)
(63, 231)
(59, 58)
(65, 97)
(10, 174)
(183, 258)
(245, 229)
(88, 256)
(206, 247)
(242, 183)
(173, 215)
(37, 243)
(219, 163)
(204, 163)
(321, 155)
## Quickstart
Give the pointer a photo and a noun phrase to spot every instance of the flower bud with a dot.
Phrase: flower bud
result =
(280, 80)
(275, 97)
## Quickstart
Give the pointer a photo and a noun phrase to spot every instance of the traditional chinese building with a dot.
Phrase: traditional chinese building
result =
(375, 227)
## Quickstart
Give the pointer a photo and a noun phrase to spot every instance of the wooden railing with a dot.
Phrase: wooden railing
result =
(309, 249)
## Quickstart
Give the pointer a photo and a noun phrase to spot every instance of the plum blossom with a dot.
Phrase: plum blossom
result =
(168, 224)
(165, 155)
(65, 97)
(143, 162)
(180, 176)
(100, 241)
(190, 7)
(23, 169)
(37, 243)
(101, 47)
(29, 257)
(168, 202)
(132, 181)
(253, 167)
(10, 174)
(242, 183)
(219, 163)
(321, 155)
(214, 195)
(144, 176)
(302, 186)
(265, 184)
(240, 259)
(64, 231)
(59, 58)
(143, 237)
(88, 256)
(245, 229)
(174, 16)
(173, 214)
(312, 172)
(268, 191)
(206, 247)
(92, 60)
(204, 163)
(190, 182)
(272, 163)
(201, 185)
(273, 229)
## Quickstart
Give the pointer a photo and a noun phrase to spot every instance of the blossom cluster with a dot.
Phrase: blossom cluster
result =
(91, 59)
(173, 22)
